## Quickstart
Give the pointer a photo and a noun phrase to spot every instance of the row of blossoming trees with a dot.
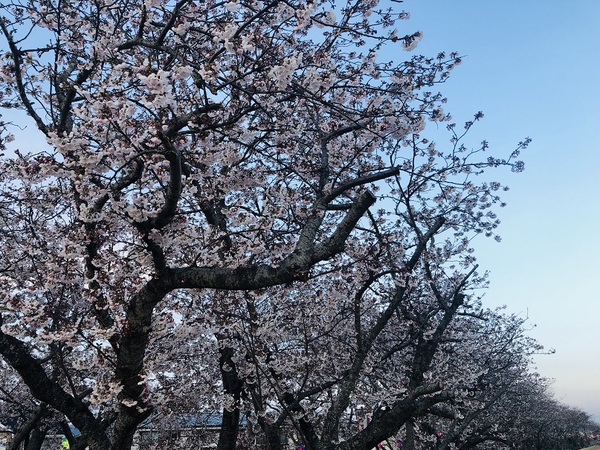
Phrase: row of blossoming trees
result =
(497, 403)
(237, 211)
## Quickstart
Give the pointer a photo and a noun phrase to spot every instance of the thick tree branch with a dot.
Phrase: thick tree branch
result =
(17, 354)
(293, 267)
(360, 181)
(26, 427)
(130, 363)
(173, 190)
(410, 407)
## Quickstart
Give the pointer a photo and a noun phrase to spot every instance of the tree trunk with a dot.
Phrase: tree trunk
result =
(232, 385)
(274, 437)
(25, 431)
(229, 430)
(36, 439)
(409, 440)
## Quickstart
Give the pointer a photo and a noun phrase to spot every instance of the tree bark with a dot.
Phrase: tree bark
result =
(409, 440)
(26, 429)
(230, 421)
(36, 439)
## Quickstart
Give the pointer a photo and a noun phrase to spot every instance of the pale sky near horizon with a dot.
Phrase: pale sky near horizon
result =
(532, 67)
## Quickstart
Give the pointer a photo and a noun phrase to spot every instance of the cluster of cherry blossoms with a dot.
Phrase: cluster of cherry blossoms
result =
(202, 217)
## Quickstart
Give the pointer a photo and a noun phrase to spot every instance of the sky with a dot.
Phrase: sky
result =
(533, 68)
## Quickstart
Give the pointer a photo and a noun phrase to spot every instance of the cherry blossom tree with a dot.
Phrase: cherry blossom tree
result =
(209, 181)
(494, 356)
(20, 413)
(543, 423)
(498, 402)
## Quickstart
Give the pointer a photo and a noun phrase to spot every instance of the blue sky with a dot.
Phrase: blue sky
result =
(533, 68)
